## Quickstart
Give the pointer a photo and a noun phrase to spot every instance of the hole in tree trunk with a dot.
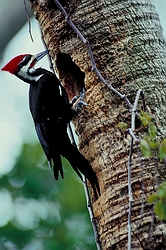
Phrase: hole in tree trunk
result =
(70, 75)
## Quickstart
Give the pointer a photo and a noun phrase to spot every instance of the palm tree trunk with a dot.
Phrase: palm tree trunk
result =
(129, 50)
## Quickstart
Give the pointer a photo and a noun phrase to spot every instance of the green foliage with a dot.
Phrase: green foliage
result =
(162, 150)
(123, 126)
(145, 148)
(159, 198)
(39, 212)
(150, 147)
(145, 118)
(152, 131)
(149, 143)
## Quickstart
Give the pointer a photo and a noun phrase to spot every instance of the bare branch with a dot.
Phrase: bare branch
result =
(134, 109)
(131, 132)
(90, 209)
(48, 55)
(29, 21)
(133, 138)
(130, 193)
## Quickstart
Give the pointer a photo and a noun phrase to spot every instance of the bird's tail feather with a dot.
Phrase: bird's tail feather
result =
(56, 167)
(80, 164)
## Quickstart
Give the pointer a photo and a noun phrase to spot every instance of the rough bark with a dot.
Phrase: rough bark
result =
(129, 49)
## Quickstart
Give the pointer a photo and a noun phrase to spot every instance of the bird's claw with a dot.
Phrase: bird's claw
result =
(79, 104)
(75, 98)
(77, 101)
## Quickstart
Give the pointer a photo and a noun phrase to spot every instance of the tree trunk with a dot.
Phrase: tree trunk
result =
(129, 50)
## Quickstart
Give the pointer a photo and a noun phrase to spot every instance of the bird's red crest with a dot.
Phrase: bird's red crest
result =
(12, 65)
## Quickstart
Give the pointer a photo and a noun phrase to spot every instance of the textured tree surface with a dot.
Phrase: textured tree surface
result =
(129, 49)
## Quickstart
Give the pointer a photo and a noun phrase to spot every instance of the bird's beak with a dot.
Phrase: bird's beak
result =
(37, 57)
(40, 55)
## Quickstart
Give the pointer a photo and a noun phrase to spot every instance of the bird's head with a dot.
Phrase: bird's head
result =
(23, 65)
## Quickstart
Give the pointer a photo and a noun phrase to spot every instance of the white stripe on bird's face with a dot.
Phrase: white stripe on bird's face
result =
(25, 73)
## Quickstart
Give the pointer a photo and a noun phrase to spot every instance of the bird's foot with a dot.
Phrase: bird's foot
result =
(77, 101)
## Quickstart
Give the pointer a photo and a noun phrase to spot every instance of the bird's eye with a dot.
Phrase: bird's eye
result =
(26, 60)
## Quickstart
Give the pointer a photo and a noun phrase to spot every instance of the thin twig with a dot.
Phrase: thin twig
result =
(134, 109)
(91, 214)
(131, 132)
(87, 195)
(136, 140)
(48, 55)
(29, 21)
(133, 138)
(130, 193)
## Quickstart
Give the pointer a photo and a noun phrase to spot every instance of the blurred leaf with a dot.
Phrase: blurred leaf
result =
(160, 201)
(160, 209)
(152, 131)
(153, 198)
(122, 125)
(145, 118)
(162, 191)
(152, 144)
(145, 148)
(162, 150)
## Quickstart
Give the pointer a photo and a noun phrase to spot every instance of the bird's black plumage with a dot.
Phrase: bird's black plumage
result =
(51, 112)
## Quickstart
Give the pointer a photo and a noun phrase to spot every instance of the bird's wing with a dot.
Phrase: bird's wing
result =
(43, 141)
(55, 169)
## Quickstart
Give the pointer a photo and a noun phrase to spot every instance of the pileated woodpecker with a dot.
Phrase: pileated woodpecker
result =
(51, 112)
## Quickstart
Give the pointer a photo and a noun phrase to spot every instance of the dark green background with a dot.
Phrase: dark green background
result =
(53, 213)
